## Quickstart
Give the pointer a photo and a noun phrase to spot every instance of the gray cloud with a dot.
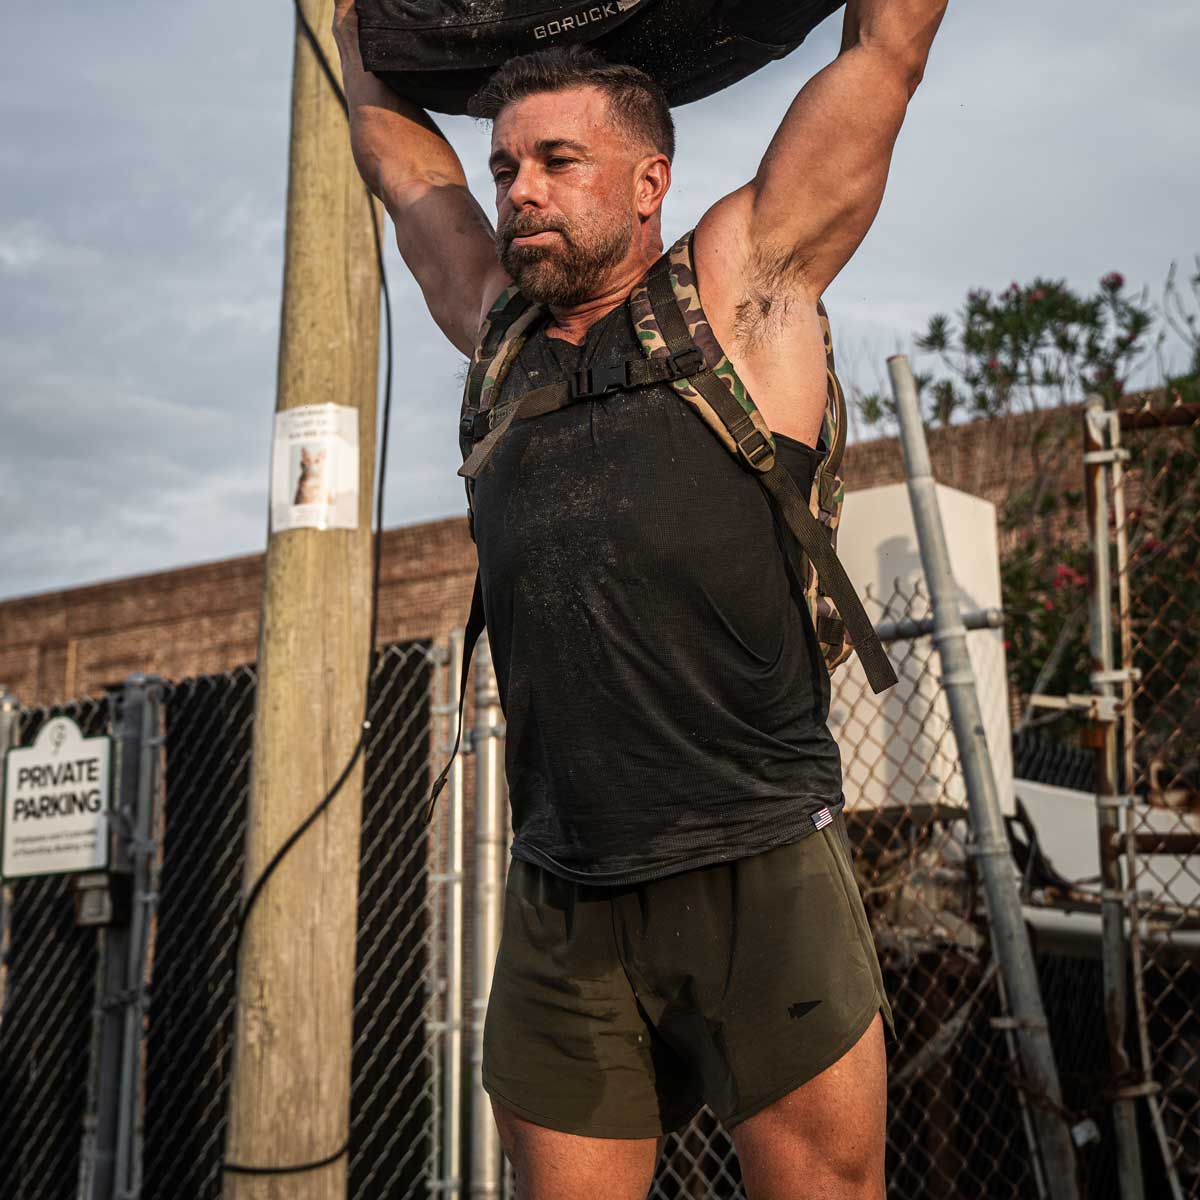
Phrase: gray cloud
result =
(142, 182)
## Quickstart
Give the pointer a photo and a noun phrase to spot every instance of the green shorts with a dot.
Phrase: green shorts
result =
(618, 1011)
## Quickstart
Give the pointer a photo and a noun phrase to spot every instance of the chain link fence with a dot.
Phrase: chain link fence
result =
(48, 995)
(48, 992)
(209, 729)
(52, 990)
(960, 1121)
(208, 725)
(1156, 539)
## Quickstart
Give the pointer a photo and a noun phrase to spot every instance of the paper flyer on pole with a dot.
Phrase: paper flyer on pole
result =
(314, 468)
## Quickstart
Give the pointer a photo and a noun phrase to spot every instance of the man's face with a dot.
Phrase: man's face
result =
(565, 203)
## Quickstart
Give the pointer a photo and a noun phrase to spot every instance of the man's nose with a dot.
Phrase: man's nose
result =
(527, 188)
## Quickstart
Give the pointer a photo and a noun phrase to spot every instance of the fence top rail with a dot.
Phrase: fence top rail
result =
(1160, 418)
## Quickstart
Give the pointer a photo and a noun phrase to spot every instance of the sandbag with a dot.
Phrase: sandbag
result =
(438, 53)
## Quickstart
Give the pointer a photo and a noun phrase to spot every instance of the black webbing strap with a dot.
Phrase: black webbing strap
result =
(807, 530)
(589, 383)
(475, 461)
(532, 404)
(475, 379)
(666, 309)
(474, 628)
(781, 487)
(814, 540)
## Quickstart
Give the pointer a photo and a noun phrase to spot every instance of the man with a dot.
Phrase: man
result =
(681, 924)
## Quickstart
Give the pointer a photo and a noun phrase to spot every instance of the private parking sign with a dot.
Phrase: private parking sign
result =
(56, 803)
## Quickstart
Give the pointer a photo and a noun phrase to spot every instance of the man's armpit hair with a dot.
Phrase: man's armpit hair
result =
(775, 278)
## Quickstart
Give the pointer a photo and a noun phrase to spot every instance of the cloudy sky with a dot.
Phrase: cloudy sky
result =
(142, 179)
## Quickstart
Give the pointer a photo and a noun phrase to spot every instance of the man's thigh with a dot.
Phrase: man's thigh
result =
(759, 973)
(551, 1165)
(566, 1044)
(827, 1137)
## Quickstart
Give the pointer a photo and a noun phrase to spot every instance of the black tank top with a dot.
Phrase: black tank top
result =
(664, 695)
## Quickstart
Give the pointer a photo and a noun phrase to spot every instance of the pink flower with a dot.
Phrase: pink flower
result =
(1038, 294)
(1114, 281)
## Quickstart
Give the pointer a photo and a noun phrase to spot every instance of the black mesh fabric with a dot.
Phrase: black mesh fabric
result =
(664, 699)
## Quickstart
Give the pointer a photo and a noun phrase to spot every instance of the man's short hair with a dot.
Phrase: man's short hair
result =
(638, 105)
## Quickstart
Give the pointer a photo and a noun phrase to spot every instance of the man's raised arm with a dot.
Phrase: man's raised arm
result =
(821, 180)
(444, 236)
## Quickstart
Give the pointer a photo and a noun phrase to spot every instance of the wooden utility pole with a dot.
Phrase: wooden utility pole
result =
(290, 1089)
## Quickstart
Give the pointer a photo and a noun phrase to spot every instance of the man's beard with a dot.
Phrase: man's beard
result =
(568, 271)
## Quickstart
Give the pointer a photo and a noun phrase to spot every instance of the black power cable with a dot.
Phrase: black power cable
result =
(302, 828)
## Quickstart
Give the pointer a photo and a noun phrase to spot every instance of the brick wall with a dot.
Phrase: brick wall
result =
(991, 459)
(204, 619)
(199, 620)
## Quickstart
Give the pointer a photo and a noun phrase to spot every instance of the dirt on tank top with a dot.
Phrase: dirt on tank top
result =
(664, 696)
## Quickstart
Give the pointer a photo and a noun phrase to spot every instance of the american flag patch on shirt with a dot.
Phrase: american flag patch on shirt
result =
(822, 818)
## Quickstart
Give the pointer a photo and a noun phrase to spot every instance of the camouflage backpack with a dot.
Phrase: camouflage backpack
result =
(679, 348)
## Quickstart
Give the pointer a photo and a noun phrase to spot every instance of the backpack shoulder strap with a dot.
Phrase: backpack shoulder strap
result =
(669, 320)
(501, 337)
(814, 540)
(833, 426)
(670, 323)
(485, 419)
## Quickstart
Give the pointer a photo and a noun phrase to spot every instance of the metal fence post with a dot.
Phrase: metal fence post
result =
(1098, 455)
(10, 712)
(1009, 937)
(452, 1112)
(112, 1169)
(488, 745)
(144, 693)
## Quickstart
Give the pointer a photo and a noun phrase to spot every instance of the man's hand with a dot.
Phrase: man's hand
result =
(444, 236)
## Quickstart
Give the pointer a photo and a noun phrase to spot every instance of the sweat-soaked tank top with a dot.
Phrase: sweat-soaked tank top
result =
(664, 695)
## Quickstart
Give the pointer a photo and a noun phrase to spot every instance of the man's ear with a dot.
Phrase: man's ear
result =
(653, 183)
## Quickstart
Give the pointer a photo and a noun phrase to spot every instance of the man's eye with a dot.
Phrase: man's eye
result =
(559, 162)
(502, 178)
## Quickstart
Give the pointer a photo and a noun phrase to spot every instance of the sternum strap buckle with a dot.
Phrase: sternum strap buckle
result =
(596, 381)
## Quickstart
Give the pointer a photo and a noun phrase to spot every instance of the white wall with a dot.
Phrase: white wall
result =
(898, 748)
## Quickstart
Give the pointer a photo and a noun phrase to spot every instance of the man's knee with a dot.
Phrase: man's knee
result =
(552, 1165)
(830, 1129)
